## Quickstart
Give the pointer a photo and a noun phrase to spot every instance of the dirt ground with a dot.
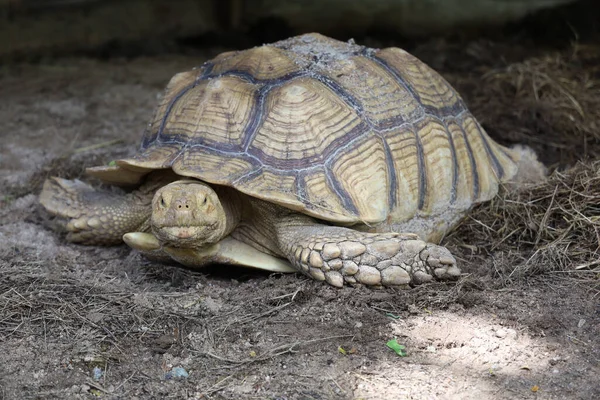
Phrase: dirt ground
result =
(87, 322)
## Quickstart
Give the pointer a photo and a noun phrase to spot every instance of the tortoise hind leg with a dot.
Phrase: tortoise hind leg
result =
(95, 217)
(338, 255)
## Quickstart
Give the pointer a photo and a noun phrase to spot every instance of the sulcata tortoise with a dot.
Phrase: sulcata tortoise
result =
(343, 162)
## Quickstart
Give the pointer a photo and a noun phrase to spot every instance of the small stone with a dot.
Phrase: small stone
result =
(315, 260)
(349, 268)
(177, 373)
(384, 264)
(317, 274)
(581, 323)
(501, 333)
(368, 259)
(358, 325)
(304, 256)
(352, 249)
(368, 275)
(394, 275)
(97, 373)
(334, 278)
(335, 264)
(330, 251)
(385, 248)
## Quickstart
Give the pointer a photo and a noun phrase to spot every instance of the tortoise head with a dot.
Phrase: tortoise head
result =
(188, 214)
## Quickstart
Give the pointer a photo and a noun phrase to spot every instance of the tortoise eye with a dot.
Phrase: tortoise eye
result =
(162, 202)
(205, 201)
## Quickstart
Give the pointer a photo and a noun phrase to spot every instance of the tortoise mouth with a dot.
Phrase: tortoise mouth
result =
(178, 235)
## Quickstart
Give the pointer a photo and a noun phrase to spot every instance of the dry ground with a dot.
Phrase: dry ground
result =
(523, 322)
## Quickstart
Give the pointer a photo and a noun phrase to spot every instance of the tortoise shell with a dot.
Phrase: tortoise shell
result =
(335, 130)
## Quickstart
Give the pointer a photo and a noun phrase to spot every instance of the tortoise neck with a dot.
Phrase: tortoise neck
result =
(232, 202)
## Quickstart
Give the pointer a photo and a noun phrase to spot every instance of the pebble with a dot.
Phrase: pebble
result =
(501, 333)
(97, 373)
(177, 373)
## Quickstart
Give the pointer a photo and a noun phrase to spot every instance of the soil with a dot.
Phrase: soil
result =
(84, 322)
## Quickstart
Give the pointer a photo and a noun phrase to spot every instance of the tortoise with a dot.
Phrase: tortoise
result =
(346, 163)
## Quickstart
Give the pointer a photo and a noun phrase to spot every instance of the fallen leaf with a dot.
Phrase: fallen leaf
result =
(398, 348)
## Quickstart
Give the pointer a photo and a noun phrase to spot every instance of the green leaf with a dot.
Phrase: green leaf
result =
(112, 163)
(397, 347)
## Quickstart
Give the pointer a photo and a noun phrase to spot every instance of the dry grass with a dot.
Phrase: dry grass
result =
(550, 102)
(550, 226)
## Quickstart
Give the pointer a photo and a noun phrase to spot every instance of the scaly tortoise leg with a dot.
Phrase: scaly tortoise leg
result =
(339, 255)
(95, 217)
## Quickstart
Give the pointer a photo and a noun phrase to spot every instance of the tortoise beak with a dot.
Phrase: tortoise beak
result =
(180, 234)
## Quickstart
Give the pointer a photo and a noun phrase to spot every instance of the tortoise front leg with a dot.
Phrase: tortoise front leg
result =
(338, 255)
(95, 217)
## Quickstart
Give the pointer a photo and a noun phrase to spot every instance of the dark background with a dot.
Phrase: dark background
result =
(34, 28)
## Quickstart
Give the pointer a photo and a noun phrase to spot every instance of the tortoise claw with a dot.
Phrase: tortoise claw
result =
(141, 241)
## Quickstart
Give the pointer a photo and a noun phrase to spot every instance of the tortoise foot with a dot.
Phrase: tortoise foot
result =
(389, 259)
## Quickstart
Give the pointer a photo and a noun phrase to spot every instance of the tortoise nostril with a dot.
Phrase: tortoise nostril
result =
(182, 203)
